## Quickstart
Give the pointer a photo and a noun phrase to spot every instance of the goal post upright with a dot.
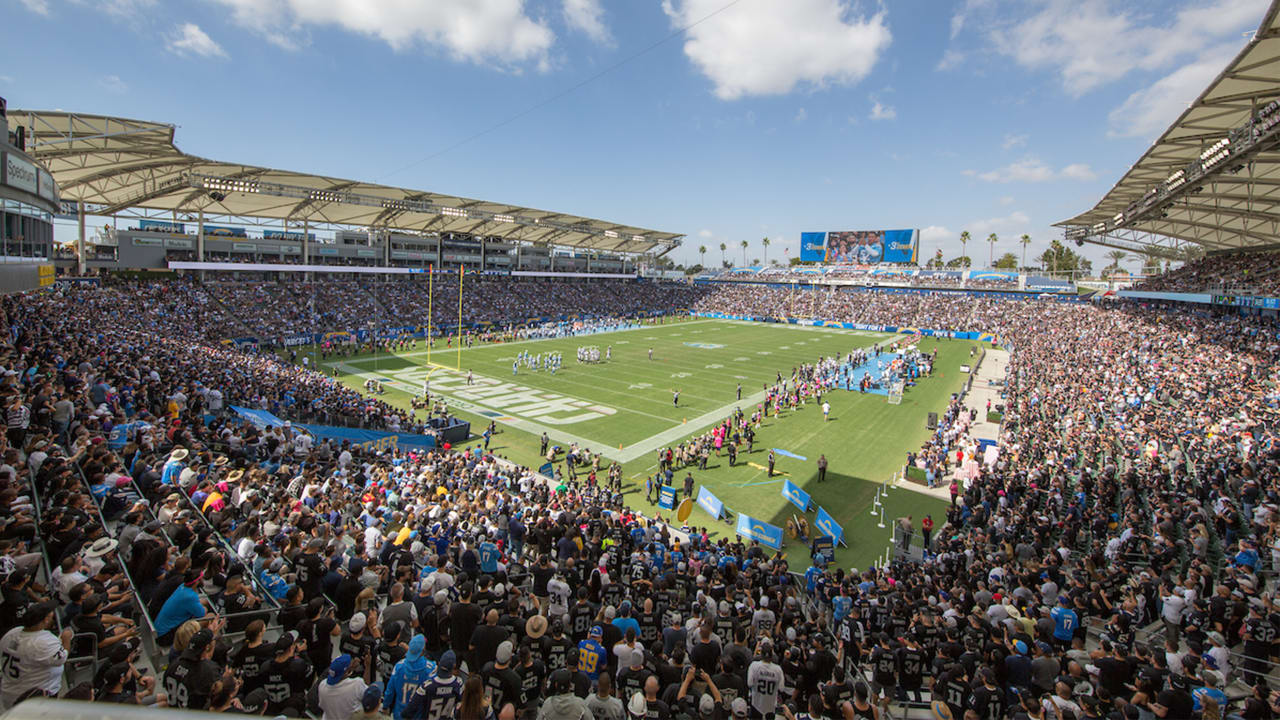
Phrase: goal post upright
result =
(431, 273)
(462, 270)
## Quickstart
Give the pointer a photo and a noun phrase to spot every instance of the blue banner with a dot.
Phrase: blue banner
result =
(667, 497)
(759, 530)
(547, 469)
(369, 439)
(119, 436)
(224, 231)
(286, 235)
(813, 246)
(788, 453)
(162, 227)
(868, 247)
(827, 525)
(825, 546)
(798, 497)
(710, 503)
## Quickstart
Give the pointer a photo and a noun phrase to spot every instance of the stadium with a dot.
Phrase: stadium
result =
(287, 444)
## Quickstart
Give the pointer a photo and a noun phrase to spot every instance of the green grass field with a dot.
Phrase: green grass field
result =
(623, 409)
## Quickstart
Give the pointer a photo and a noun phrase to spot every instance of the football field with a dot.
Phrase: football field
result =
(624, 409)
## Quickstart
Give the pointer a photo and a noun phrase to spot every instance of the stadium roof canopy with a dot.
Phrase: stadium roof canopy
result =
(117, 164)
(1213, 178)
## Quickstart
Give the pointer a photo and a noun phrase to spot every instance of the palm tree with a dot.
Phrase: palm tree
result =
(723, 247)
(964, 243)
(702, 255)
(1026, 240)
(991, 253)
(765, 243)
(745, 245)
(1116, 257)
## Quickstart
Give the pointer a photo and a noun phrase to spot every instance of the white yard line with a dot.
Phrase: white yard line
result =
(447, 351)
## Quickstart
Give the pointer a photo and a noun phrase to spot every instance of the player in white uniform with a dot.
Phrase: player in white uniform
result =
(32, 657)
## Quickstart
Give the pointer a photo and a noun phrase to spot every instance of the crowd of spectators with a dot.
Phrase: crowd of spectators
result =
(1116, 560)
(1254, 272)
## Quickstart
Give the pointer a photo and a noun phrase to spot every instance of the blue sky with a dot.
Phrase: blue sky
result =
(765, 118)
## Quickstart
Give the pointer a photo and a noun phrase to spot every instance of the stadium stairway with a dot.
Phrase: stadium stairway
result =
(233, 324)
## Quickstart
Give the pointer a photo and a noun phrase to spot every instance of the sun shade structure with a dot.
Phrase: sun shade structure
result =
(1213, 178)
(115, 164)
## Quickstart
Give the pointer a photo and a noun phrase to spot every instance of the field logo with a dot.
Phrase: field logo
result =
(510, 398)
(704, 346)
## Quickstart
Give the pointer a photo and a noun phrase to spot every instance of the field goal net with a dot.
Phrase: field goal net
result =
(895, 392)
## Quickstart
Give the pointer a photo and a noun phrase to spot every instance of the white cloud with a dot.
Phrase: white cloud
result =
(980, 229)
(113, 84)
(122, 9)
(1079, 171)
(479, 31)
(189, 39)
(588, 17)
(765, 47)
(1012, 141)
(801, 115)
(1028, 169)
(1032, 169)
(704, 233)
(1006, 200)
(935, 234)
(39, 7)
(1089, 43)
(1148, 112)
(882, 112)
(950, 59)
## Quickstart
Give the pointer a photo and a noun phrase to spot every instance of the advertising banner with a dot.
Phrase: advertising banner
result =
(224, 231)
(162, 226)
(813, 246)
(709, 502)
(795, 495)
(667, 497)
(760, 531)
(20, 174)
(286, 235)
(868, 247)
(827, 525)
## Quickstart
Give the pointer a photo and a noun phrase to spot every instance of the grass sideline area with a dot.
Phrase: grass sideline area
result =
(624, 408)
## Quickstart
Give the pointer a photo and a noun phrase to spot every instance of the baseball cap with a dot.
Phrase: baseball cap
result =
(503, 654)
(448, 661)
(372, 697)
(358, 621)
(707, 704)
(255, 702)
(115, 673)
(596, 631)
(739, 707)
(416, 646)
(338, 669)
(201, 640)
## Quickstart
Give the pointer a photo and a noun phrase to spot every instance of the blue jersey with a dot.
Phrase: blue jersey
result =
(811, 578)
(840, 605)
(434, 699)
(406, 678)
(592, 657)
(1065, 622)
(488, 557)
